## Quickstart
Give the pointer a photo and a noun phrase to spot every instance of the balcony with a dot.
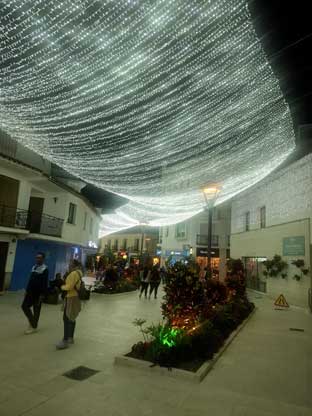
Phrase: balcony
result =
(13, 217)
(202, 240)
(44, 224)
(34, 222)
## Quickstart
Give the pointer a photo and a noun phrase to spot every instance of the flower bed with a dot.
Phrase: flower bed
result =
(120, 286)
(199, 316)
(190, 349)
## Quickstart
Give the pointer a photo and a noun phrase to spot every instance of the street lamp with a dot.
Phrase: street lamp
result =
(143, 224)
(210, 192)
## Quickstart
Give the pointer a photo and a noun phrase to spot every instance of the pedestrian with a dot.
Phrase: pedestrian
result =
(35, 292)
(145, 280)
(72, 303)
(155, 282)
(163, 275)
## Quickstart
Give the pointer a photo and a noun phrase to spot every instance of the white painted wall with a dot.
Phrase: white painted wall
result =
(199, 225)
(287, 196)
(130, 237)
(32, 183)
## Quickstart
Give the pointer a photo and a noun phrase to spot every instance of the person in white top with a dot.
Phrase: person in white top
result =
(145, 275)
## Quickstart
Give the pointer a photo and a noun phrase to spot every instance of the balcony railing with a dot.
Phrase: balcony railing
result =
(13, 217)
(45, 224)
(202, 240)
(33, 221)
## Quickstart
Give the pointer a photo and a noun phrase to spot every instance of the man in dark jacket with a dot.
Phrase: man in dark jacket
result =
(35, 291)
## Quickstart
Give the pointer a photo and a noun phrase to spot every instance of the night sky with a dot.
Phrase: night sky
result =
(285, 31)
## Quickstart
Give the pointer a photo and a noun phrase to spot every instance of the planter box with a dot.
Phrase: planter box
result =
(194, 377)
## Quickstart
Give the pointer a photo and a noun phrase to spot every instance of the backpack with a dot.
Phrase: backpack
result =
(83, 292)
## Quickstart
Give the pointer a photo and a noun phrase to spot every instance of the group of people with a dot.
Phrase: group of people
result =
(36, 291)
(150, 278)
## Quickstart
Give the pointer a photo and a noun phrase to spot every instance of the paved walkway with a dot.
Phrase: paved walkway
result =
(266, 371)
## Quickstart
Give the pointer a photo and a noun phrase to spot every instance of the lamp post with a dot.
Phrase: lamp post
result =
(210, 194)
(143, 224)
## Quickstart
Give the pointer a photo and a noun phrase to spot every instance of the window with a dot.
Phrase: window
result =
(167, 232)
(215, 240)
(160, 235)
(181, 230)
(91, 226)
(124, 244)
(228, 240)
(262, 217)
(85, 221)
(109, 244)
(72, 213)
(136, 244)
(115, 246)
(247, 221)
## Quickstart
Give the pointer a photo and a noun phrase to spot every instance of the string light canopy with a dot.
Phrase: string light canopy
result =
(147, 99)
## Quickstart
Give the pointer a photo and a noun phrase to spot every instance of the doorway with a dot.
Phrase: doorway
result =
(35, 214)
(4, 248)
(8, 200)
(254, 271)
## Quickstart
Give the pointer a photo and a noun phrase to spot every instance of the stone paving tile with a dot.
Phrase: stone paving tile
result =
(20, 402)
(266, 371)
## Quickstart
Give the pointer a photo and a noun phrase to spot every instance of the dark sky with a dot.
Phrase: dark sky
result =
(285, 30)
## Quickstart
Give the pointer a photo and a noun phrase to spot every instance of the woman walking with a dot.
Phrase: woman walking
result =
(145, 275)
(72, 304)
(155, 282)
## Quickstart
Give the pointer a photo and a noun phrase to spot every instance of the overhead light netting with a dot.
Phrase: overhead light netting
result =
(147, 99)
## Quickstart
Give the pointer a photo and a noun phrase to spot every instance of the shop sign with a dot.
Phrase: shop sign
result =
(202, 252)
(294, 246)
(92, 244)
(176, 253)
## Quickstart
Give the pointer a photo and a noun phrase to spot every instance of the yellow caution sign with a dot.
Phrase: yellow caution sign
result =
(281, 302)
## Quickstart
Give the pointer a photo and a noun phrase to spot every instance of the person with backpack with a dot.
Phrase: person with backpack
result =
(73, 286)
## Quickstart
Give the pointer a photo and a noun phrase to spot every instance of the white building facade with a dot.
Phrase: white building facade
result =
(191, 238)
(131, 242)
(274, 218)
(39, 214)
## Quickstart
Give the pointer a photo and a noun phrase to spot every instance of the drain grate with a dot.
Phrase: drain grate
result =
(80, 373)
(296, 329)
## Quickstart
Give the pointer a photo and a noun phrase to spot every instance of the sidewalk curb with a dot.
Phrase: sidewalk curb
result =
(177, 373)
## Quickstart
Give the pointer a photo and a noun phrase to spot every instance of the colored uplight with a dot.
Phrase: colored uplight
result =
(168, 337)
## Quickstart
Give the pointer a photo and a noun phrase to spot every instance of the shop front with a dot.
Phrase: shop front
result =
(57, 257)
(173, 256)
(216, 258)
(254, 267)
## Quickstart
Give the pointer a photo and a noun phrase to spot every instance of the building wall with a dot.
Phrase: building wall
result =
(198, 225)
(57, 259)
(266, 243)
(287, 196)
(148, 245)
(56, 204)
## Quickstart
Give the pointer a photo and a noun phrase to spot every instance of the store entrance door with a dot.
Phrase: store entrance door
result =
(254, 268)
(4, 248)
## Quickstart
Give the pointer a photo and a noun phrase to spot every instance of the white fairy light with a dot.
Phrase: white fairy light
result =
(136, 97)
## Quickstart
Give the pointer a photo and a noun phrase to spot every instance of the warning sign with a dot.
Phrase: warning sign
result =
(281, 302)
